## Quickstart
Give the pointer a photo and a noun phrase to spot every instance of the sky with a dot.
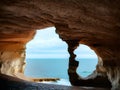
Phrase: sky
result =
(47, 44)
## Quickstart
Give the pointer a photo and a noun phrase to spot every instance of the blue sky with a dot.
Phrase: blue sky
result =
(47, 44)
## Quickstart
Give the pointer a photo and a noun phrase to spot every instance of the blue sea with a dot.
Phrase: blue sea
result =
(57, 68)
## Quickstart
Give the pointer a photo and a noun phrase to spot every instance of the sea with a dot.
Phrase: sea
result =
(57, 68)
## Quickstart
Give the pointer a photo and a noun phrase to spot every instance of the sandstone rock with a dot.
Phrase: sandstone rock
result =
(95, 23)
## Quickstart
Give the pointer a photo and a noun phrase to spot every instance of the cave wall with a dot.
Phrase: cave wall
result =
(95, 23)
(12, 51)
(12, 61)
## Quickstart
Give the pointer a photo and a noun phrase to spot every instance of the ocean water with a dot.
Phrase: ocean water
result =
(57, 68)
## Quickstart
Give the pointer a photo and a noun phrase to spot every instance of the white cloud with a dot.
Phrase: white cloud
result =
(48, 44)
(46, 39)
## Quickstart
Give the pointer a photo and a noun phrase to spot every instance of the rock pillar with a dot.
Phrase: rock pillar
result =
(73, 64)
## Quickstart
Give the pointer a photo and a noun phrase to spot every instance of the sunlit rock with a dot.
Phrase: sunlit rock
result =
(12, 51)
(12, 62)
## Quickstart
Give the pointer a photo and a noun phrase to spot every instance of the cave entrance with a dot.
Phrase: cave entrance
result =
(87, 60)
(47, 56)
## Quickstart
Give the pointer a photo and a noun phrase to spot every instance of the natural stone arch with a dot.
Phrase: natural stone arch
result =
(95, 23)
(75, 79)
(50, 52)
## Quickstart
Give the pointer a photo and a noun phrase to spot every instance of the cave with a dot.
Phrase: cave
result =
(46, 53)
(94, 23)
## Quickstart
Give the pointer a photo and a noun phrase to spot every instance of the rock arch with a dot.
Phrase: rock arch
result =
(87, 60)
(95, 23)
(96, 79)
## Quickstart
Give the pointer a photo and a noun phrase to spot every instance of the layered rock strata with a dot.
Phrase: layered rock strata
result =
(95, 23)
(12, 51)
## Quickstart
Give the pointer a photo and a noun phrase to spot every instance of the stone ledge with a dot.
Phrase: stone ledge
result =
(12, 83)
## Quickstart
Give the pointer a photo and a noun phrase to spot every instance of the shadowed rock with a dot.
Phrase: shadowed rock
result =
(95, 23)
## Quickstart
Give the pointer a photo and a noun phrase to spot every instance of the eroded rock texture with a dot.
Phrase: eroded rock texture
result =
(12, 51)
(95, 23)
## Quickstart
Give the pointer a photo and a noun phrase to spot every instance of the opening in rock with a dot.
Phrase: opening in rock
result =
(47, 56)
(87, 60)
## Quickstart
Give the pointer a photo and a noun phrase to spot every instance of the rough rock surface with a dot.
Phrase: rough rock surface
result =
(11, 83)
(95, 23)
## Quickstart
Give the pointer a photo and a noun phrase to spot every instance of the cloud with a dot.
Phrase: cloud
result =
(47, 43)
(46, 39)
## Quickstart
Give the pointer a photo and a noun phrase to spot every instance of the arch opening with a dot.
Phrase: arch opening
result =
(87, 60)
(47, 56)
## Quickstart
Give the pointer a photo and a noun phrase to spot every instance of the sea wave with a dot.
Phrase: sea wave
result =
(59, 82)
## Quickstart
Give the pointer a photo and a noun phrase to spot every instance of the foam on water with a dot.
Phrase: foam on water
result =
(59, 82)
